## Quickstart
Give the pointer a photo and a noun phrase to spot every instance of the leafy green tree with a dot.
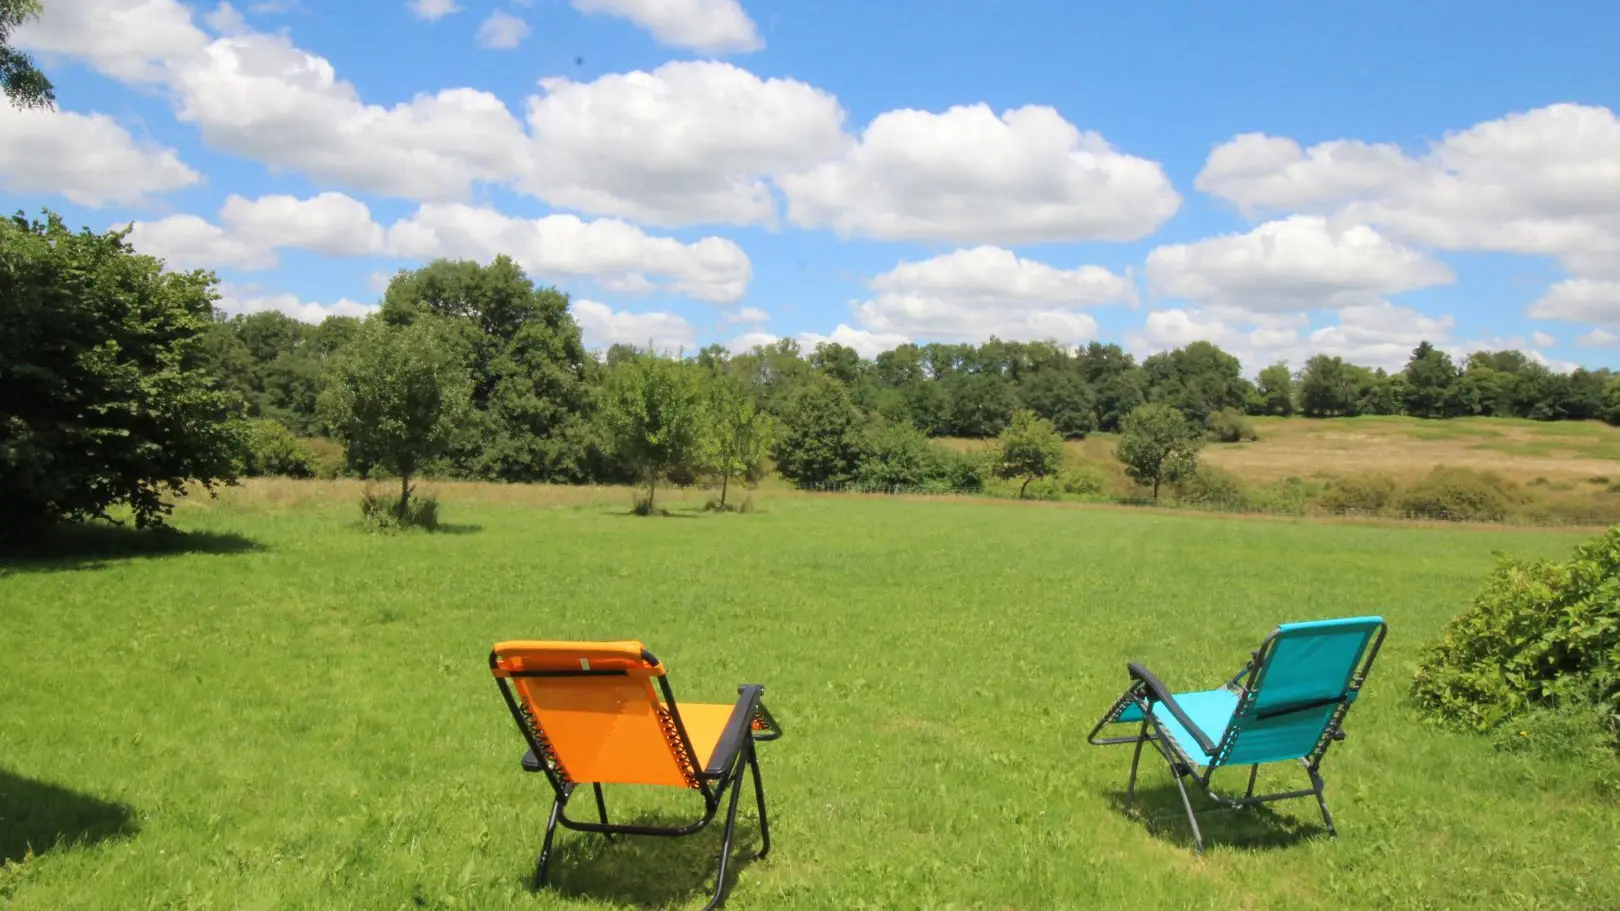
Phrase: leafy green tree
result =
(1159, 445)
(105, 396)
(532, 379)
(1275, 391)
(1060, 395)
(656, 414)
(740, 432)
(820, 438)
(1430, 377)
(1611, 402)
(981, 404)
(25, 86)
(1327, 387)
(1031, 448)
(397, 396)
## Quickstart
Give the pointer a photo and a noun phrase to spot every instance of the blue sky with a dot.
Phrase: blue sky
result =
(1280, 178)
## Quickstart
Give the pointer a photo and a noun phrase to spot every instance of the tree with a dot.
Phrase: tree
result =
(1327, 387)
(820, 439)
(105, 394)
(1430, 378)
(1159, 445)
(740, 432)
(1611, 402)
(1275, 391)
(1031, 448)
(396, 397)
(1060, 395)
(25, 86)
(654, 410)
(532, 379)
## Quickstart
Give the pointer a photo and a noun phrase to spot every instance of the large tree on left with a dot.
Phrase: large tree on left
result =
(25, 86)
(104, 395)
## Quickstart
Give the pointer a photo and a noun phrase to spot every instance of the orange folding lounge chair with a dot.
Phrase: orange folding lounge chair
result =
(591, 716)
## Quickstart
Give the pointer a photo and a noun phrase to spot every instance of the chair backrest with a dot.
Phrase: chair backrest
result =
(591, 714)
(1304, 677)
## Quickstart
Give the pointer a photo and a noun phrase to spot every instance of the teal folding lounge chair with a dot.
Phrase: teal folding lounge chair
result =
(1288, 703)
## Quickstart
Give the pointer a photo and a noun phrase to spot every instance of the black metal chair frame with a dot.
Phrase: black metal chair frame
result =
(750, 723)
(1146, 689)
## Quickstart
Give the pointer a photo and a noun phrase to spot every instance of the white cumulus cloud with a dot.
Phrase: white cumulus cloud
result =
(971, 294)
(1296, 263)
(1542, 182)
(602, 326)
(966, 175)
(1580, 300)
(502, 31)
(708, 26)
(88, 158)
(689, 142)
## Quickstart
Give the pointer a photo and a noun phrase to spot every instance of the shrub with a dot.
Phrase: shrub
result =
(328, 458)
(899, 455)
(1366, 494)
(1539, 634)
(1084, 480)
(385, 512)
(1459, 495)
(273, 450)
(1230, 425)
(1288, 497)
(1211, 486)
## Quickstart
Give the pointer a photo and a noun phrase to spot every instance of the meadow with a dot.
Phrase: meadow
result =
(280, 710)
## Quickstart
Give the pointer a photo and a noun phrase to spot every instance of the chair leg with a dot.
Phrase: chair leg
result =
(1253, 771)
(601, 809)
(719, 898)
(543, 863)
(1136, 759)
(759, 795)
(1176, 773)
(1321, 801)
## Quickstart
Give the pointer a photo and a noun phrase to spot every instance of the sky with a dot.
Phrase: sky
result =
(1279, 178)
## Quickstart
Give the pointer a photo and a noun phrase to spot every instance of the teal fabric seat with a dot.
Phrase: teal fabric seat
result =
(1287, 704)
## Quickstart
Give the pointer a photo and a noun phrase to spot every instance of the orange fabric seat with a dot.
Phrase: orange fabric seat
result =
(592, 716)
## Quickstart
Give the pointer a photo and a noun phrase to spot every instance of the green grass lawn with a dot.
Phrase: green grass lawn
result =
(300, 715)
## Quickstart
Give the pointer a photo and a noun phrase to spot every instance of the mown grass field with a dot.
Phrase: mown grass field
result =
(291, 713)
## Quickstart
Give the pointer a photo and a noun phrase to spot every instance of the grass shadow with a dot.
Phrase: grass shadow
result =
(648, 871)
(1258, 827)
(36, 817)
(455, 529)
(70, 546)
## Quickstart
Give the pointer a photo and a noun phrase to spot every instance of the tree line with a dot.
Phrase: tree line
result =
(120, 379)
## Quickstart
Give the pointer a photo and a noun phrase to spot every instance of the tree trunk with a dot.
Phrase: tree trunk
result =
(404, 495)
(1025, 486)
(1155, 488)
(652, 488)
(725, 480)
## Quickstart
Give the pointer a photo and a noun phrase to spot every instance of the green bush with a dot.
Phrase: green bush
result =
(1459, 495)
(1540, 634)
(381, 512)
(1366, 494)
(1083, 480)
(900, 455)
(1213, 487)
(273, 450)
(1230, 425)
(329, 460)
(1288, 497)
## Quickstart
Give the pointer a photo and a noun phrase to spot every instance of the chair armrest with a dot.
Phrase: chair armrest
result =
(1161, 694)
(768, 727)
(531, 763)
(738, 727)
